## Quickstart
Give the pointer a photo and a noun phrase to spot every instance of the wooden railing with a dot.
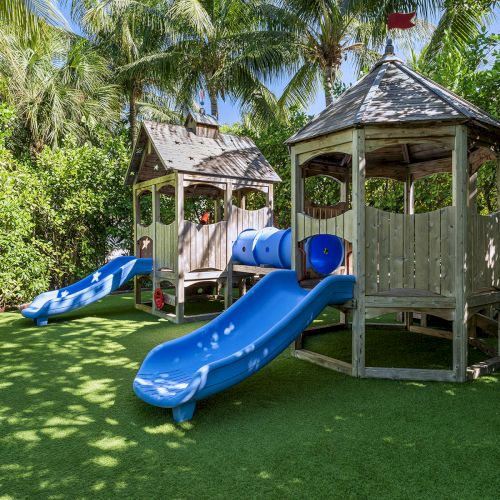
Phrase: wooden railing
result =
(204, 246)
(485, 251)
(410, 251)
(402, 251)
(166, 251)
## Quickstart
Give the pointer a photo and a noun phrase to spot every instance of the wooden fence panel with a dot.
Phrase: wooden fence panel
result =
(372, 256)
(422, 251)
(396, 260)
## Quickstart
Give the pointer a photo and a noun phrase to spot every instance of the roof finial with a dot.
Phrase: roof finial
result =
(389, 48)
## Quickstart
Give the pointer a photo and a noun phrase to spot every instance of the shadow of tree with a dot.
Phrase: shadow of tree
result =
(73, 428)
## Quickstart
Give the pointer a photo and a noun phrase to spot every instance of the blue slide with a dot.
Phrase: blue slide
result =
(243, 339)
(94, 287)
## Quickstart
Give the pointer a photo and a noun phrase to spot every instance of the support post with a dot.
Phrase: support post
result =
(230, 234)
(460, 169)
(343, 198)
(137, 279)
(297, 207)
(358, 251)
(179, 271)
(156, 219)
(270, 201)
(409, 209)
(498, 182)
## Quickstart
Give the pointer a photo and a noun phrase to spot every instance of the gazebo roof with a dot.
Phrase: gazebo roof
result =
(392, 93)
(175, 148)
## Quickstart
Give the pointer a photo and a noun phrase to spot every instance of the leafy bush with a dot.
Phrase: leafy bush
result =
(86, 210)
(24, 262)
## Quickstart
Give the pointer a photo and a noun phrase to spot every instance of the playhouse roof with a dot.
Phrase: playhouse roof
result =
(392, 93)
(175, 148)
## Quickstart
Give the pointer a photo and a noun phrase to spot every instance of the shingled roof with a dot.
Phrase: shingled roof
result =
(392, 93)
(175, 148)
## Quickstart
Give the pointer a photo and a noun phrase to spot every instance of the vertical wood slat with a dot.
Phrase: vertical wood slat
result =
(371, 246)
(396, 261)
(384, 250)
(435, 254)
(422, 251)
(409, 247)
(447, 251)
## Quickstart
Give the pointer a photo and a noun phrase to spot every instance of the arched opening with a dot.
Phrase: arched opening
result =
(167, 204)
(249, 199)
(203, 203)
(145, 208)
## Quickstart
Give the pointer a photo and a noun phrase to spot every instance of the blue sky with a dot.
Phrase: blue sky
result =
(230, 112)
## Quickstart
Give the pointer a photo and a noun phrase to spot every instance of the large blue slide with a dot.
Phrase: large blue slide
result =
(94, 287)
(243, 339)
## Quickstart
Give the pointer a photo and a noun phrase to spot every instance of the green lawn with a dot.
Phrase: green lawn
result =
(71, 427)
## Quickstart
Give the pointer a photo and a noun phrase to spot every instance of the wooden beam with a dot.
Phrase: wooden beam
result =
(324, 361)
(164, 179)
(410, 374)
(460, 168)
(358, 250)
(180, 265)
(230, 233)
(486, 367)
(297, 207)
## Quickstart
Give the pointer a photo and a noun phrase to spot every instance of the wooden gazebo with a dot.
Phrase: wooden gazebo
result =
(170, 164)
(397, 124)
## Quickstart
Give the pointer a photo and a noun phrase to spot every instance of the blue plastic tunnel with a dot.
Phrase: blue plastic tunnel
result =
(273, 247)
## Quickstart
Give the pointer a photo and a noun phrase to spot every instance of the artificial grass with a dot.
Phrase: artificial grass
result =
(72, 427)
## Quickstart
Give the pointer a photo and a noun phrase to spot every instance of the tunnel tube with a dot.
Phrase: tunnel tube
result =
(273, 247)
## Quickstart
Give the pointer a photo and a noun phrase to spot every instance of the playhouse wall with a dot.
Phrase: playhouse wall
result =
(485, 249)
(402, 251)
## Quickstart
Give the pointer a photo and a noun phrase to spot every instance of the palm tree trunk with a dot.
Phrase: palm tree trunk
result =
(329, 75)
(214, 107)
(135, 92)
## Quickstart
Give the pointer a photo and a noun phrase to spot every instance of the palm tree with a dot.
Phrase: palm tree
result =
(325, 32)
(125, 31)
(57, 84)
(223, 46)
(26, 14)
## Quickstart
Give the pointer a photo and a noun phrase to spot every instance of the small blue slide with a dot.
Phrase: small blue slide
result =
(94, 287)
(243, 339)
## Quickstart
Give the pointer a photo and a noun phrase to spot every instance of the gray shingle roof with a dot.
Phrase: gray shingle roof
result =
(179, 149)
(392, 93)
(203, 118)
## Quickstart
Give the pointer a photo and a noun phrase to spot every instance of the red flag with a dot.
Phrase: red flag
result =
(401, 20)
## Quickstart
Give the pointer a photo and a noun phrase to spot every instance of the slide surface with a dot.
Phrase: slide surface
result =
(243, 339)
(94, 287)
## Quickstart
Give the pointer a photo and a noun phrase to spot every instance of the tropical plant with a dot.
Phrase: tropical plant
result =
(57, 83)
(28, 14)
(124, 32)
(225, 47)
(326, 32)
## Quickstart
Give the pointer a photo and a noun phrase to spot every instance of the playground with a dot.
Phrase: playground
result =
(353, 354)
(72, 427)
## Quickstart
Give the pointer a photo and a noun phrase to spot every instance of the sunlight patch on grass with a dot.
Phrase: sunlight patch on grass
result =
(112, 443)
(105, 461)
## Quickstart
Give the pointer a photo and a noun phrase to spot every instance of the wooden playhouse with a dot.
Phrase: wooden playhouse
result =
(172, 164)
(394, 123)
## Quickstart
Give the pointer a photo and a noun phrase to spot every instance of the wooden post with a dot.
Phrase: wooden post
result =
(179, 222)
(156, 219)
(409, 209)
(358, 251)
(343, 198)
(230, 233)
(460, 169)
(498, 182)
(137, 279)
(270, 201)
(297, 207)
